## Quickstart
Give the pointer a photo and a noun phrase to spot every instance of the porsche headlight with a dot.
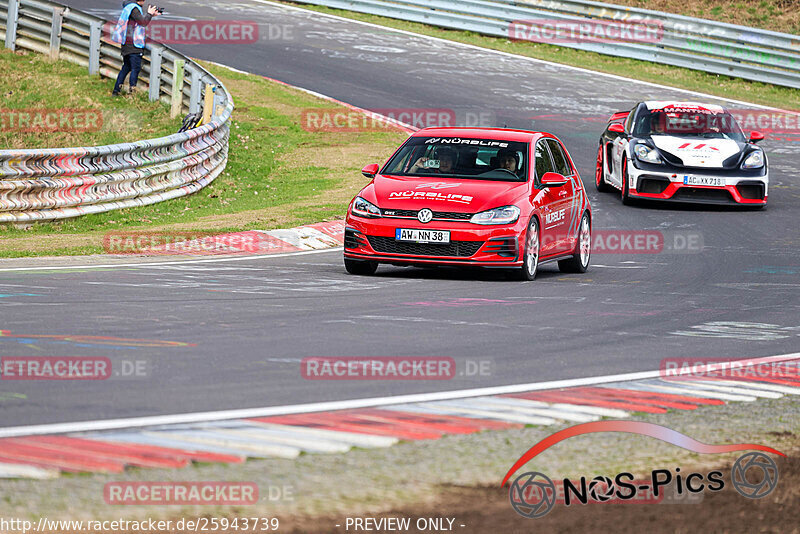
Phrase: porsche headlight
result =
(754, 161)
(504, 215)
(647, 154)
(363, 208)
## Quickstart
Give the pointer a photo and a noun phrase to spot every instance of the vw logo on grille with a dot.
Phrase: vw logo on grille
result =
(425, 215)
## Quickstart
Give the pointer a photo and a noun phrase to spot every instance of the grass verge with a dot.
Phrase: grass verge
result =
(278, 174)
(776, 15)
(32, 81)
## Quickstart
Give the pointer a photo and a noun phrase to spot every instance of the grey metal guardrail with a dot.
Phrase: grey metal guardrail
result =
(46, 184)
(699, 44)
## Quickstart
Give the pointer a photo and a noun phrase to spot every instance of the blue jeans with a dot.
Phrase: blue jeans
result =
(132, 63)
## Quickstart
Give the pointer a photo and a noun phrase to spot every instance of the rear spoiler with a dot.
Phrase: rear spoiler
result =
(619, 116)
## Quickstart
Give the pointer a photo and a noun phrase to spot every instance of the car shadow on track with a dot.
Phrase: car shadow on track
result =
(689, 206)
(476, 274)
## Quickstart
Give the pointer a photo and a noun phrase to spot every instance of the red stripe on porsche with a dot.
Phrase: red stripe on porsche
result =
(574, 397)
(72, 460)
(668, 400)
(341, 422)
(128, 455)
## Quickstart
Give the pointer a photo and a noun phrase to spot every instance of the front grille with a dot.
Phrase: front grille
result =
(445, 215)
(751, 190)
(451, 215)
(457, 249)
(502, 246)
(699, 193)
(652, 185)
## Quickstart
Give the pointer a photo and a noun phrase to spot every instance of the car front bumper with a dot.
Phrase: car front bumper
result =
(666, 182)
(470, 244)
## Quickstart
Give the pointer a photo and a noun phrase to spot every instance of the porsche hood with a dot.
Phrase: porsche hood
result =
(698, 152)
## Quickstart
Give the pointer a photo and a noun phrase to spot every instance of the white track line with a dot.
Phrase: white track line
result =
(508, 54)
(200, 417)
(160, 263)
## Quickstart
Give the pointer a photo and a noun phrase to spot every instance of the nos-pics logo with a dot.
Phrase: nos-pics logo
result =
(533, 494)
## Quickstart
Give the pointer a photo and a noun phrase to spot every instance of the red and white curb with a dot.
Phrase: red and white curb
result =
(256, 242)
(42, 454)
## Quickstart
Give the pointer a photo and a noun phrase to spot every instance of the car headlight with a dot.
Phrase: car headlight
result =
(504, 215)
(647, 154)
(364, 208)
(754, 161)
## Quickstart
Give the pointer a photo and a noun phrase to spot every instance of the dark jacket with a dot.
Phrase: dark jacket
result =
(136, 19)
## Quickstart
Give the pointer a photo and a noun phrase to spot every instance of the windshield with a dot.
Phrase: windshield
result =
(697, 123)
(481, 159)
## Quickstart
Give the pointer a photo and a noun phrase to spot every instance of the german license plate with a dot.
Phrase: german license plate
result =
(703, 180)
(422, 236)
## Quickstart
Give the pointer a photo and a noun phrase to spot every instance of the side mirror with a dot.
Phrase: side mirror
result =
(553, 179)
(370, 170)
(755, 137)
(617, 128)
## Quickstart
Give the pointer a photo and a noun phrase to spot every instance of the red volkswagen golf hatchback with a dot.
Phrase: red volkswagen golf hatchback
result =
(463, 196)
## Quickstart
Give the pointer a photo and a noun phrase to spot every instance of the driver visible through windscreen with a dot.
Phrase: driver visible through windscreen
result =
(481, 159)
(697, 123)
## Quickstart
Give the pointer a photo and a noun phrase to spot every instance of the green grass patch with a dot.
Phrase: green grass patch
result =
(776, 15)
(278, 174)
(31, 81)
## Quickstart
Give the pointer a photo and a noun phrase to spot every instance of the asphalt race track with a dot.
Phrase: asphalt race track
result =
(240, 328)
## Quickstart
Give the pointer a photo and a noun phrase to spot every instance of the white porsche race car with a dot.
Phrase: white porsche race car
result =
(684, 152)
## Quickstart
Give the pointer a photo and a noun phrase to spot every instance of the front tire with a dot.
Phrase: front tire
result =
(626, 198)
(599, 173)
(530, 257)
(360, 267)
(579, 262)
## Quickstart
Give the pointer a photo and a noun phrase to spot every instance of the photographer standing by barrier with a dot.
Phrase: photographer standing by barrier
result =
(130, 33)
